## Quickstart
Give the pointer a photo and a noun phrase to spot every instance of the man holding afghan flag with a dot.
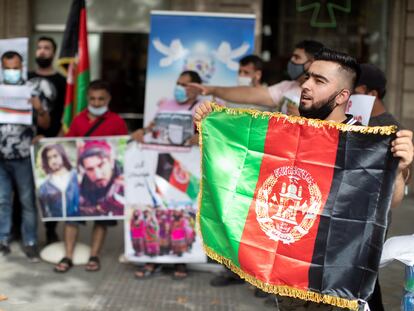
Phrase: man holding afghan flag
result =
(74, 59)
(298, 207)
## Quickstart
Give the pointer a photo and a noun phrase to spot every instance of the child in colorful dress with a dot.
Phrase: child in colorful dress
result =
(137, 229)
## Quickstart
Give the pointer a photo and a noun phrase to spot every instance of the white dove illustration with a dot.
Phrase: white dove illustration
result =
(172, 53)
(226, 55)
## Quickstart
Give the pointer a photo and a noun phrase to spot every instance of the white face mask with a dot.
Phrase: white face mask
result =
(97, 111)
(244, 81)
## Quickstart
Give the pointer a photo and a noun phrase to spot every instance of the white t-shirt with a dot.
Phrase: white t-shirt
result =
(279, 90)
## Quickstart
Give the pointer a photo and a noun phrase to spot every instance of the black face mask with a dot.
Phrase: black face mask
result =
(44, 62)
(323, 111)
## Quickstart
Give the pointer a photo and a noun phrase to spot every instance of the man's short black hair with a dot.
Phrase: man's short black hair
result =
(345, 61)
(373, 78)
(252, 59)
(49, 39)
(10, 55)
(311, 47)
(99, 85)
(194, 76)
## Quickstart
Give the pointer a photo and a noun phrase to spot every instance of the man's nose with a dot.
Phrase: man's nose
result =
(98, 173)
(305, 85)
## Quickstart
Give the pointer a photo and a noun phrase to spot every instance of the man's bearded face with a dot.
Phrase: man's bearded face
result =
(99, 170)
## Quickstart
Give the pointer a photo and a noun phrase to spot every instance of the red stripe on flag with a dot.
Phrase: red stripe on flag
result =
(70, 86)
(179, 178)
(262, 253)
(83, 56)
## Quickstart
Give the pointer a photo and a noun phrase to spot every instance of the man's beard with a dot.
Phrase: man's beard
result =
(325, 109)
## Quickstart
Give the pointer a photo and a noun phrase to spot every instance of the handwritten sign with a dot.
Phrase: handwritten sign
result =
(360, 106)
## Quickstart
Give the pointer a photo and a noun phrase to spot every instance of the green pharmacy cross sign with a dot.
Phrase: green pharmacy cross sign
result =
(318, 6)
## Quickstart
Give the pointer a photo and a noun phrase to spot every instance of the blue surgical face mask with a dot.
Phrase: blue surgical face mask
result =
(180, 94)
(295, 70)
(97, 111)
(12, 76)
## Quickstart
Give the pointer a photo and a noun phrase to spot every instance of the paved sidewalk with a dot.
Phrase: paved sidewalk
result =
(36, 287)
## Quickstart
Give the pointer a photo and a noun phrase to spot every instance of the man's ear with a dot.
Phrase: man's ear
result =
(258, 75)
(343, 97)
(373, 93)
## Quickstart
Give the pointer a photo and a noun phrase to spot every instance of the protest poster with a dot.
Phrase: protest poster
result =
(15, 107)
(80, 178)
(290, 99)
(161, 206)
(171, 128)
(19, 45)
(360, 106)
(208, 43)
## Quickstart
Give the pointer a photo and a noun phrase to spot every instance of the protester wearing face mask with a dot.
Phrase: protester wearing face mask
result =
(96, 120)
(272, 96)
(185, 99)
(250, 71)
(15, 164)
(250, 74)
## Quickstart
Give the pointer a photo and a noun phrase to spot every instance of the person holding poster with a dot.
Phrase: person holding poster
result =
(185, 100)
(51, 85)
(250, 74)
(272, 96)
(16, 167)
(59, 194)
(95, 120)
(373, 82)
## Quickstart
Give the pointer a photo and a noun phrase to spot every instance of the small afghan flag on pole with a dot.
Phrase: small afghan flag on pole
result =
(295, 206)
(74, 60)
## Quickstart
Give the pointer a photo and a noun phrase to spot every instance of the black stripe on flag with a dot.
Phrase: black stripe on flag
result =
(353, 224)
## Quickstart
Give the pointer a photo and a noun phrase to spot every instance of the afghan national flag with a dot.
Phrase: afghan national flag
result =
(181, 179)
(74, 59)
(297, 207)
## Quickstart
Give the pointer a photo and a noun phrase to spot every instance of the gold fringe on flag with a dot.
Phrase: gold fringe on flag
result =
(283, 290)
(382, 130)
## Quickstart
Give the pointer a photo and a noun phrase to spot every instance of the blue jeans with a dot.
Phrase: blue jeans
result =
(19, 171)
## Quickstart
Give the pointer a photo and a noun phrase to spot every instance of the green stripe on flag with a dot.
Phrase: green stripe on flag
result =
(67, 116)
(81, 91)
(193, 187)
(235, 183)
